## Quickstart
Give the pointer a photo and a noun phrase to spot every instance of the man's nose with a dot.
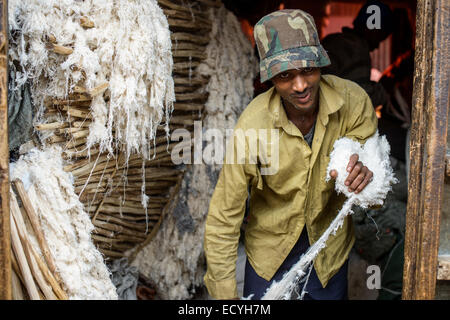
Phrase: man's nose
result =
(299, 83)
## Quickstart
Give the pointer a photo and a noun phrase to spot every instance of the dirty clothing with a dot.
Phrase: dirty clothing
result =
(296, 196)
(350, 59)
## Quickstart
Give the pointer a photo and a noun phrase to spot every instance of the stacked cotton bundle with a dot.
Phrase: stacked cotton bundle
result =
(374, 154)
(66, 226)
(101, 81)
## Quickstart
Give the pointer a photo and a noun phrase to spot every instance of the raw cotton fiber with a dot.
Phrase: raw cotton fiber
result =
(375, 155)
(127, 48)
(66, 226)
(174, 259)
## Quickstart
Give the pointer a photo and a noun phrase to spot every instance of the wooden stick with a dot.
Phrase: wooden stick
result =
(22, 231)
(187, 119)
(102, 185)
(139, 219)
(66, 131)
(51, 126)
(81, 124)
(44, 286)
(191, 96)
(185, 65)
(77, 113)
(191, 81)
(75, 143)
(110, 240)
(135, 204)
(182, 45)
(98, 90)
(190, 25)
(86, 23)
(103, 232)
(130, 225)
(15, 267)
(183, 36)
(56, 48)
(116, 228)
(56, 139)
(188, 106)
(148, 191)
(78, 152)
(79, 102)
(29, 283)
(188, 54)
(106, 208)
(133, 175)
(210, 3)
(51, 38)
(49, 276)
(17, 292)
(120, 247)
(186, 16)
(111, 253)
(132, 197)
(178, 7)
(133, 161)
(80, 134)
(85, 166)
(35, 223)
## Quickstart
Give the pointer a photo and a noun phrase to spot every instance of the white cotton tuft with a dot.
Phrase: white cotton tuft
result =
(375, 155)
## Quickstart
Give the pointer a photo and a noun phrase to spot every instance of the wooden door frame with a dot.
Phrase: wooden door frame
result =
(427, 149)
(5, 238)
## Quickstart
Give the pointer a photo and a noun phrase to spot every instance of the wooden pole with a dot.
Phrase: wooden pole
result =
(5, 235)
(427, 149)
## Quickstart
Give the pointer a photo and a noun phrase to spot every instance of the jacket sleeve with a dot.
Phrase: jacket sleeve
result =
(362, 121)
(222, 228)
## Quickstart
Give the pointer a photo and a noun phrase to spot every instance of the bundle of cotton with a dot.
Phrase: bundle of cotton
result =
(65, 46)
(177, 266)
(66, 226)
(375, 155)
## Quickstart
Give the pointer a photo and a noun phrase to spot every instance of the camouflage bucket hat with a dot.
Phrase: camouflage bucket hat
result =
(288, 39)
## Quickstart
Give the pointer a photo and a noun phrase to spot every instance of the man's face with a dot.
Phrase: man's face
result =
(299, 88)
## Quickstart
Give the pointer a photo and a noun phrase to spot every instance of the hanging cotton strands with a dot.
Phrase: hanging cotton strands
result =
(114, 55)
(375, 156)
(66, 226)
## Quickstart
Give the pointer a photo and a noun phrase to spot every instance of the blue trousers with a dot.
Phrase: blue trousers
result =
(336, 288)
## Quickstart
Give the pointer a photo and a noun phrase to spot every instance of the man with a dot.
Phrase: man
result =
(349, 51)
(291, 208)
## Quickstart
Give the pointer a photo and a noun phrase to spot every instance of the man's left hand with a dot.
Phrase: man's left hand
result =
(359, 175)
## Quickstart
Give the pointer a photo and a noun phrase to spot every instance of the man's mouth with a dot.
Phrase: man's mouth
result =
(303, 97)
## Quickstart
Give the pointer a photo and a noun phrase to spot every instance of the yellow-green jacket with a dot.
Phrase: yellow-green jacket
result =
(296, 196)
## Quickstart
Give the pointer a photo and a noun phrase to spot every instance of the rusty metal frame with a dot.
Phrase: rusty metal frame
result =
(427, 149)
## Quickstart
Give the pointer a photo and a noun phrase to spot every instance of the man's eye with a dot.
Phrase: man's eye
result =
(308, 70)
(284, 75)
